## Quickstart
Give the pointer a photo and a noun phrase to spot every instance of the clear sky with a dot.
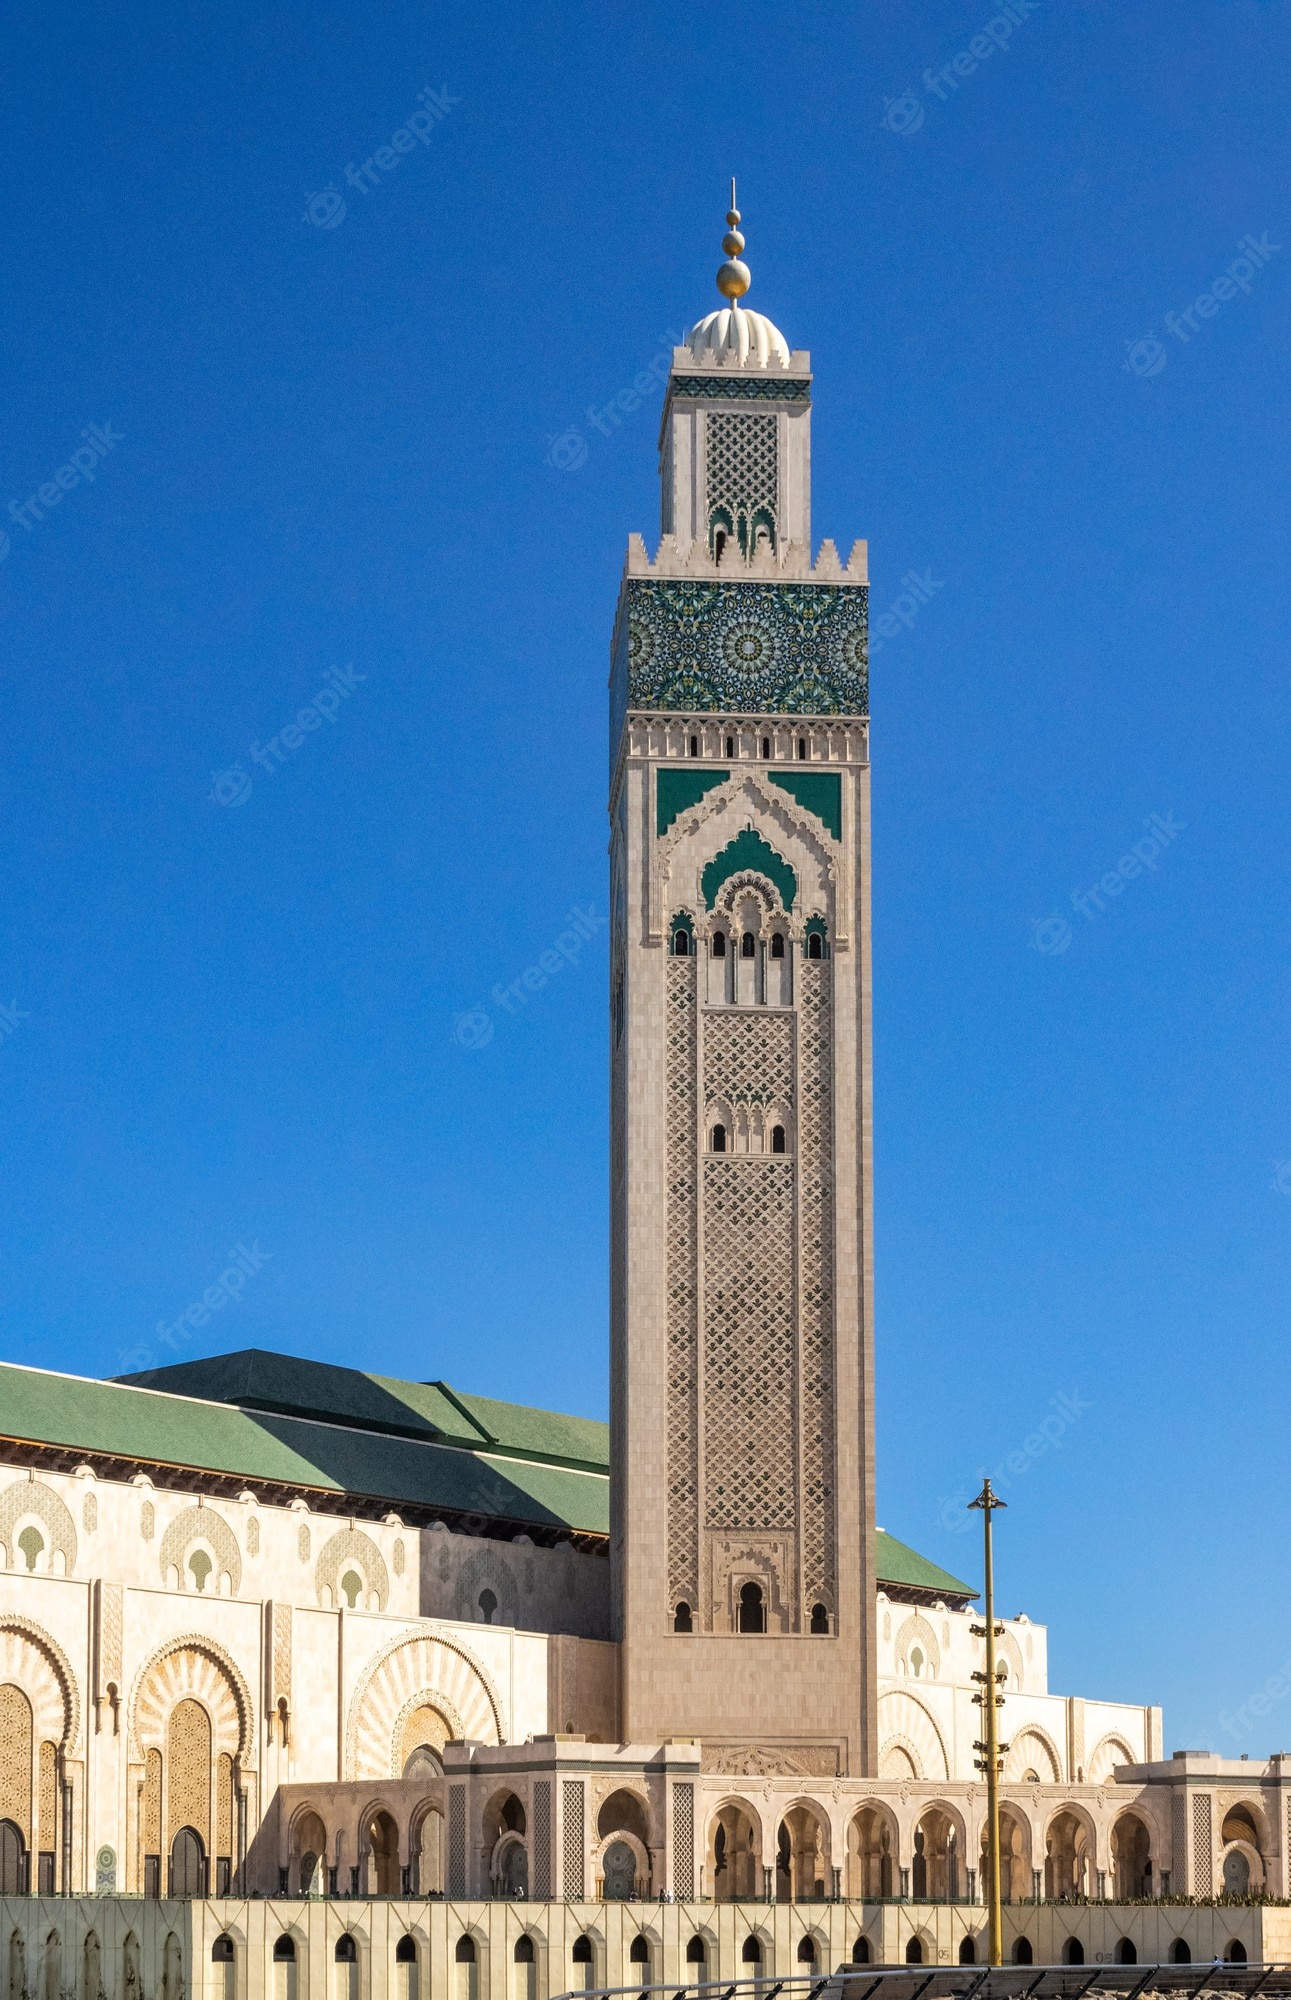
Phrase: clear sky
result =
(347, 451)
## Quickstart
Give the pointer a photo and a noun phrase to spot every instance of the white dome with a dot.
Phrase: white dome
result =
(742, 338)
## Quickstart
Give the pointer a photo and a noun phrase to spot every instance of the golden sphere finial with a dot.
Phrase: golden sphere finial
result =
(733, 278)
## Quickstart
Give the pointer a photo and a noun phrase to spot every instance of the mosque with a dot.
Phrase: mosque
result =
(309, 1675)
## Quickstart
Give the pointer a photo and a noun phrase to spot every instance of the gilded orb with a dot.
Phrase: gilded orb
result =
(733, 279)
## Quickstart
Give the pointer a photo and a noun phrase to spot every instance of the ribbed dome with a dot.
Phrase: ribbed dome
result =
(741, 338)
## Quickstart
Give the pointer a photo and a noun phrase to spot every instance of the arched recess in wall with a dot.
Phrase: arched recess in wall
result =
(905, 1725)
(351, 1570)
(1032, 1749)
(419, 1670)
(35, 1662)
(1107, 1753)
(36, 1530)
(201, 1550)
(192, 1667)
(486, 1569)
(915, 1649)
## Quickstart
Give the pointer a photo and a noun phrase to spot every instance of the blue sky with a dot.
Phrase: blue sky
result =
(350, 455)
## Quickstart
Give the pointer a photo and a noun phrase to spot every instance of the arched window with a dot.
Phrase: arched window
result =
(582, 1952)
(200, 1565)
(681, 1618)
(748, 945)
(346, 1953)
(284, 1950)
(815, 945)
(914, 1952)
(967, 1951)
(819, 1615)
(719, 1138)
(719, 944)
(752, 1952)
(1179, 1952)
(640, 1952)
(777, 1146)
(806, 1951)
(1236, 1953)
(13, 1856)
(681, 943)
(1073, 1952)
(695, 1952)
(187, 1864)
(777, 944)
(730, 746)
(719, 544)
(753, 1617)
(694, 746)
(1022, 1954)
(861, 1950)
(221, 1950)
(766, 746)
(524, 1949)
(488, 1605)
(465, 1952)
(405, 1952)
(1125, 1953)
(802, 749)
(31, 1542)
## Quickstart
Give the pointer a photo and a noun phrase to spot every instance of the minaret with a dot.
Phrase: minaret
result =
(741, 1129)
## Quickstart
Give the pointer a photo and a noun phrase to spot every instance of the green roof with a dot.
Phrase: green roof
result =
(895, 1562)
(125, 1420)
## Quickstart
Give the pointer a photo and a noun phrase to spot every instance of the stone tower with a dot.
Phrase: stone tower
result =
(741, 1127)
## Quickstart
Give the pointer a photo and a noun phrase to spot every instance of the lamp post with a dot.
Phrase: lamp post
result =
(990, 1758)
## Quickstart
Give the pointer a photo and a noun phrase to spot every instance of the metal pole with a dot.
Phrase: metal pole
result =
(991, 1757)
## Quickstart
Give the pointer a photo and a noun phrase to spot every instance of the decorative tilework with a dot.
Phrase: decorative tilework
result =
(748, 851)
(683, 1842)
(742, 648)
(457, 1840)
(676, 790)
(743, 388)
(542, 1839)
(821, 792)
(573, 1810)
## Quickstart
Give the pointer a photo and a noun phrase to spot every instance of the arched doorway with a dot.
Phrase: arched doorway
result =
(871, 1855)
(1067, 1858)
(309, 1838)
(1131, 1858)
(383, 1855)
(13, 1860)
(1015, 1857)
(733, 1856)
(935, 1865)
(802, 1857)
(187, 1864)
(619, 1871)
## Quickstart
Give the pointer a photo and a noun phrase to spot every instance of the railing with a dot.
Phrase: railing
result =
(967, 1982)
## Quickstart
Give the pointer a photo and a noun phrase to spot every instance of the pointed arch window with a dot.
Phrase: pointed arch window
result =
(748, 945)
(777, 1140)
(719, 1138)
(719, 944)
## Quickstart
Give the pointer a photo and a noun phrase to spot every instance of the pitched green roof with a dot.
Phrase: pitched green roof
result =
(895, 1562)
(125, 1420)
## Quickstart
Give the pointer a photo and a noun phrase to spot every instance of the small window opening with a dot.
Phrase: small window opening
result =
(730, 746)
(694, 746)
(582, 1952)
(806, 1951)
(752, 1952)
(524, 1949)
(777, 944)
(695, 1953)
(1022, 1953)
(351, 1586)
(719, 944)
(819, 1615)
(967, 1951)
(802, 749)
(719, 543)
(285, 1950)
(488, 1605)
(861, 1951)
(31, 1542)
(681, 944)
(815, 945)
(753, 1617)
(640, 1952)
(777, 1146)
(719, 1138)
(681, 1618)
(914, 1952)
(748, 945)
(766, 747)
(345, 1952)
(201, 1566)
(405, 1952)
(222, 1950)
(465, 1952)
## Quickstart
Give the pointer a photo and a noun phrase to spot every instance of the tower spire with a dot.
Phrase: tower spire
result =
(733, 278)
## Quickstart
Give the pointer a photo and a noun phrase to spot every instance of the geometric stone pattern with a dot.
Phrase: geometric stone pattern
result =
(1203, 1852)
(32, 1496)
(542, 1839)
(352, 1547)
(201, 1524)
(743, 473)
(753, 648)
(683, 1359)
(188, 1771)
(571, 1799)
(816, 1285)
(742, 389)
(683, 1841)
(15, 1765)
(749, 1344)
(457, 1840)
